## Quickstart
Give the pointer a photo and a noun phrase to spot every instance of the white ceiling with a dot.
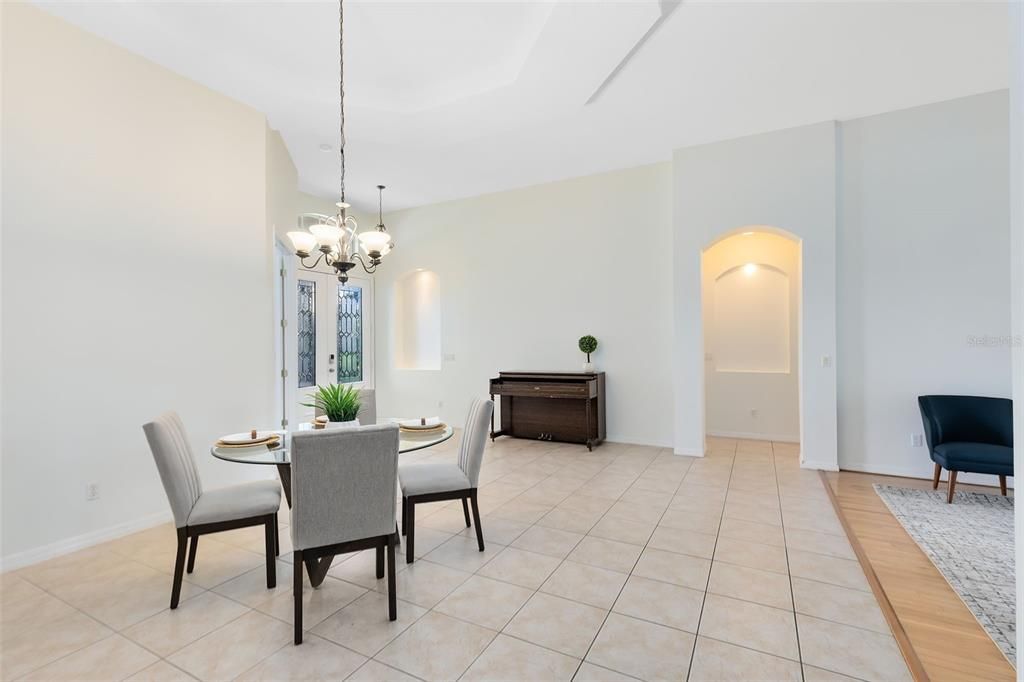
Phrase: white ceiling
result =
(455, 99)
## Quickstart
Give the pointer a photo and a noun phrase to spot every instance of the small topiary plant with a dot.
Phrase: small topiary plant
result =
(588, 344)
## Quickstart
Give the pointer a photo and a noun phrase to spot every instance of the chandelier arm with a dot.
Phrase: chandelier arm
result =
(316, 263)
(369, 270)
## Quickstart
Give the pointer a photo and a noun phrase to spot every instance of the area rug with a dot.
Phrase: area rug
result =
(971, 543)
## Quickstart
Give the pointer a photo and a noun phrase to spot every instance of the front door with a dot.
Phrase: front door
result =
(333, 337)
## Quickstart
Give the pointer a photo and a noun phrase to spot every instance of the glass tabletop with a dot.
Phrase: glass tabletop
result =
(261, 454)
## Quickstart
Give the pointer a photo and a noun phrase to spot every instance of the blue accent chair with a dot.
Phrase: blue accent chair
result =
(968, 433)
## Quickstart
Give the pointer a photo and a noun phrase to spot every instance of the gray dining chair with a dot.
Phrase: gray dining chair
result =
(439, 481)
(343, 500)
(367, 406)
(198, 512)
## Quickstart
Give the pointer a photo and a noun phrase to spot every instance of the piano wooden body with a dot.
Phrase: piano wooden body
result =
(567, 407)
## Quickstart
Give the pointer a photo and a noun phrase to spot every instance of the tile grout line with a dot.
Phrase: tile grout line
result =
(906, 647)
(789, 570)
(714, 550)
(639, 555)
(563, 560)
(249, 608)
(566, 469)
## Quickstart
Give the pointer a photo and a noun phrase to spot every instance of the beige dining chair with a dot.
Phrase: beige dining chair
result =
(438, 481)
(198, 512)
(343, 500)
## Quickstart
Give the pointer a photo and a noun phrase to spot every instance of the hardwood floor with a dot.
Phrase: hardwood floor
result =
(948, 640)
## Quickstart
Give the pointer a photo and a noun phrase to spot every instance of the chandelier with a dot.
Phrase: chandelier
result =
(337, 237)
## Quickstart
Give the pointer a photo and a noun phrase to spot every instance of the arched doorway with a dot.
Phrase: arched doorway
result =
(750, 302)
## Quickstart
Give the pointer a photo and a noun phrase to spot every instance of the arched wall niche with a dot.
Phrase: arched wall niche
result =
(418, 321)
(750, 303)
(749, 327)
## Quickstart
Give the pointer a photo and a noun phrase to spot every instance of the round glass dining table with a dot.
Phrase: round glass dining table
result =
(408, 441)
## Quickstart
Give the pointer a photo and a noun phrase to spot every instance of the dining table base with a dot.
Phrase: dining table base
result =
(316, 568)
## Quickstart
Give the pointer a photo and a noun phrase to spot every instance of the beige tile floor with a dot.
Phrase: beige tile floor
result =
(625, 563)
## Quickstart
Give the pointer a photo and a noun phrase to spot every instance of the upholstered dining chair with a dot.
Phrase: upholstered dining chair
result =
(367, 407)
(198, 512)
(343, 500)
(438, 481)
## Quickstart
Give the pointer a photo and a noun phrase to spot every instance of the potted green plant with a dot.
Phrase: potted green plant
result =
(340, 402)
(588, 344)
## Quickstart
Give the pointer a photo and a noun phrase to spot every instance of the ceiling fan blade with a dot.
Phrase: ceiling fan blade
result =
(667, 8)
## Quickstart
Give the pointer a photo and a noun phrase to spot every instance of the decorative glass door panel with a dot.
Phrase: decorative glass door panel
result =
(350, 334)
(306, 325)
(334, 335)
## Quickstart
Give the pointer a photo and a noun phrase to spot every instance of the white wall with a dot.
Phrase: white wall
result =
(922, 271)
(310, 203)
(136, 278)
(1016, 26)
(786, 180)
(769, 385)
(525, 273)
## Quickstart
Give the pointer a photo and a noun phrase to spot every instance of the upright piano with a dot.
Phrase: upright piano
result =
(557, 406)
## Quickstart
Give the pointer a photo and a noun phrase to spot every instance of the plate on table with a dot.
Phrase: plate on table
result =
(425, 425)
(242, 439)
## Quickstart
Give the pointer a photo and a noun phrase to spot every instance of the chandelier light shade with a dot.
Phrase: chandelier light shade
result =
(337, 237)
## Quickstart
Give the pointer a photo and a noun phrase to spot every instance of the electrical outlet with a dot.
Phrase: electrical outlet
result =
(449, 357)
(753, 412)
(916, 440)
(440, 404)
(826, 361)
(92, 491)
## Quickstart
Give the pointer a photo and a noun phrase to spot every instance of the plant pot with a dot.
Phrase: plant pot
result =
(588, 367)
(342, 425)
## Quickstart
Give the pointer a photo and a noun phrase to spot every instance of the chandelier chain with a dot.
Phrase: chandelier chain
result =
(341, 90)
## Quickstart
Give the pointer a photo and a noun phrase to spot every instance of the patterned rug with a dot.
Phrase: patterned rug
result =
(971, 543)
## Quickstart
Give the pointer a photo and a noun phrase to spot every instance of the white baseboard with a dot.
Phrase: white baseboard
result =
(689, 452)
(73, 544)
(821, 466)
(635, 440)
(749, 435)
(924, 474)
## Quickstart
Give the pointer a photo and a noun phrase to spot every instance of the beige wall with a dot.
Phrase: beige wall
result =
(522, 275)
(136, 278)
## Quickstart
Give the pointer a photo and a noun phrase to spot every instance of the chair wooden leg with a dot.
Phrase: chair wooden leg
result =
(392, 592)
(192, 554)
(297, 593)
(405, 514)
(935, 478)
(476, 521)
(179, 567)
(410, 530)
(952, 487)
(1002, 485)
(465, 510)
(380, 561)
(277, 537)
(269, 541)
